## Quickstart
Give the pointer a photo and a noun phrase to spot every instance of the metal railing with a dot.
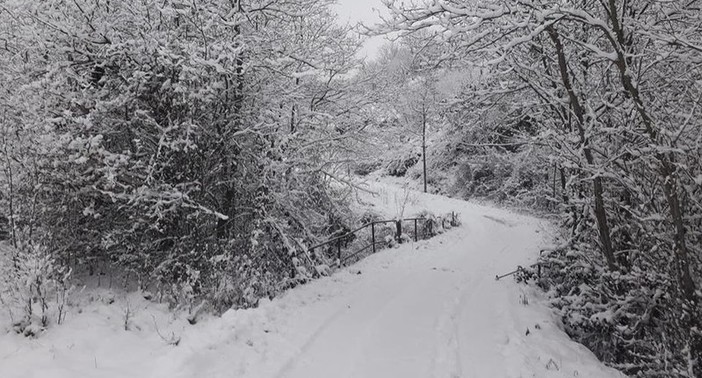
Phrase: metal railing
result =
(421, 225)
(538, 265)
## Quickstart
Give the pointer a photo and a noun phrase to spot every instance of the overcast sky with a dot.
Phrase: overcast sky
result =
(355, 11)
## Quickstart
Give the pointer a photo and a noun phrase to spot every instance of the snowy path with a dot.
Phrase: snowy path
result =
(426, 309)
(415, 317)
(434, 309)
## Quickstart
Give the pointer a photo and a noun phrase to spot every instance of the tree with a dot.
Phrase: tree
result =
(614, 83)
(408, 98)
(158, 138)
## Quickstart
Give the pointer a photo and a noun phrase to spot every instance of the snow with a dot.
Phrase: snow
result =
(427, 309)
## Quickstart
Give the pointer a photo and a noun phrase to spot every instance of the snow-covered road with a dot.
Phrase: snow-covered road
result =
(434, 309)
(425, 309)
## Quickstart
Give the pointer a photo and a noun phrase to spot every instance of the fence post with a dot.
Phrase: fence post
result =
(538, 264)
(453, 219)
(293, 268)
(338, 247)
(399, 231)
(373, 235)
(415, 230)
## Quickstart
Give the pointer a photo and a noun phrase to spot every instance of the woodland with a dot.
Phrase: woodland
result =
(197, 147)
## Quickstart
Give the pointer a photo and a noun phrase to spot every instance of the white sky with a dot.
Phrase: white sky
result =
(355, 11)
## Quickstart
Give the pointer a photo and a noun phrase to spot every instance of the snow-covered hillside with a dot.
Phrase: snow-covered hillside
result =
(425, 309)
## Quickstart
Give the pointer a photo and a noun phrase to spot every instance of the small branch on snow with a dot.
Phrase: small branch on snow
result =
(173, 340)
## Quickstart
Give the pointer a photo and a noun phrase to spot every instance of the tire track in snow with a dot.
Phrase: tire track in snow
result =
(351, 323)
(447, 362)
(306, 346)
(399, 293)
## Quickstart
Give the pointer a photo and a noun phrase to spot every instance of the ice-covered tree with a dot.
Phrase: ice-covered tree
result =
(613, 88)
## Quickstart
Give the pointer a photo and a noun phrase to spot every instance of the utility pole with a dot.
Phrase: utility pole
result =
(424, 144)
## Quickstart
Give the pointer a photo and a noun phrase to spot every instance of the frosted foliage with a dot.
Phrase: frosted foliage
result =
(587, 110)
(191, 145)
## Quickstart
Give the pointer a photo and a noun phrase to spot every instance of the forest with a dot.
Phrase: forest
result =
(198, 147)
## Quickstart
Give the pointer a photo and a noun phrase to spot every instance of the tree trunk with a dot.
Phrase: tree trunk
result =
(597, 187)
(228, 192)
(670, 188)
(667, 169)
(424, 147)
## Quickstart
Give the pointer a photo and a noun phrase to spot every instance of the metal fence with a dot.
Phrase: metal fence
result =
(374, 235)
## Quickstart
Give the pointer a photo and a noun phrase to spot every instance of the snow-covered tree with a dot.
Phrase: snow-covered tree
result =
(614, 89)
(191, 143)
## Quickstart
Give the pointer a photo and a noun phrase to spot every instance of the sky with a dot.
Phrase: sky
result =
(355, 11)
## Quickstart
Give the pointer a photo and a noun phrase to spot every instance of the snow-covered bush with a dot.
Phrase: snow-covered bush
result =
(399, 165)
(628, 319)
(34, 287)
(475, 165)
(365, 168)
(433, 224)
(191, 161)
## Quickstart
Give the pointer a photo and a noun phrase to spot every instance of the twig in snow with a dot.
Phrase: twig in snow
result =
(173, 340)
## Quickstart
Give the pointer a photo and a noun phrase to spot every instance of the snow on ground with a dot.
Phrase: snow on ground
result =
(425, 309)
